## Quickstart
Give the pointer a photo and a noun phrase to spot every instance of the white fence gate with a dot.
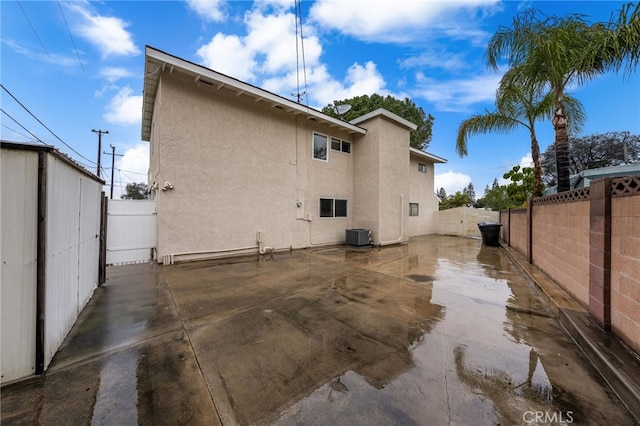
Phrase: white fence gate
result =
(131, 231)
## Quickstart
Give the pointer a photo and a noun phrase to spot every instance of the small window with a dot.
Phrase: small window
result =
(346, 147)
(319, 147)
(422, 168)
(335, 144)
(413, 209)
(326, 207)
(333, 208)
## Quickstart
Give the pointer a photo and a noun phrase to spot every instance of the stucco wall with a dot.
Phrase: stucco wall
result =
(237, 167)
(421, 192)
(382, 165)
(561, 245)
(625, 269)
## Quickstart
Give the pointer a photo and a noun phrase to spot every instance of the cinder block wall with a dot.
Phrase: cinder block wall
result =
(588, 241)
(519, 233)
(560, 245)
(625, 269)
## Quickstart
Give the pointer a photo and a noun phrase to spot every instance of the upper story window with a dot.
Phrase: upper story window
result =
(320, 147)
(414, 209)
(422, 168)
(340, 145)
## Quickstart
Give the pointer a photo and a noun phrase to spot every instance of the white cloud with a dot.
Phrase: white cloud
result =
(108, 33)
(526, 161)
(229, 55)
(124, 108)
(268, 52)
(386, 20)
(451, 181)
(52, 58)
(209, 10)
(436, 59)
(113, 74)
(457, 95)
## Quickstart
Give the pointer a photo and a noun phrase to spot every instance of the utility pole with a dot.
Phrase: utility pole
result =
(113, 161)
(100, 133)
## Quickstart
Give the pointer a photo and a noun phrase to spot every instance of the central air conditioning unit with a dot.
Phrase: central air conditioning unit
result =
(358, 237)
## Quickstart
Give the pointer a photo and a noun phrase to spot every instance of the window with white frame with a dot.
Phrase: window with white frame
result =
(320, 147)
(414, 209)
(340, 145)
(333, 207)
(422, 168)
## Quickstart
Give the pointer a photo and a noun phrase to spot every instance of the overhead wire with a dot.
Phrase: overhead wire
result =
(44, 125)
(304, 65)
(24, 12)
(75, 49)
(24, 128)
(15, 131)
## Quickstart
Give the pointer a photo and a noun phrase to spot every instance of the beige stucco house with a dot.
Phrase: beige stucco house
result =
(236, 169)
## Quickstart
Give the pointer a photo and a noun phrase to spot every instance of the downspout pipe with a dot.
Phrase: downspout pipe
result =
(262, 249)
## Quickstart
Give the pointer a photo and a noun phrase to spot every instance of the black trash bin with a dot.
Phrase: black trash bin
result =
(490, 233)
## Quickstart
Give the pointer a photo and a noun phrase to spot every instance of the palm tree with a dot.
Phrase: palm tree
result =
(562, 51)
(517, 105)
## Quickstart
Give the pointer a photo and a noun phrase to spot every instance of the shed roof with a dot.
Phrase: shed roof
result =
(157, 61)
(26, 146)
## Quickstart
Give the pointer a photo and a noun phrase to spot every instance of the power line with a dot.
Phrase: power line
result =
(43, 125)
(34, 31)
(75, 49)
(15, 131)
(27, 130)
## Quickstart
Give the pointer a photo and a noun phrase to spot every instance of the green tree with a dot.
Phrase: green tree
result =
(406, 109)
(135, 191)
(521, 186)
(592, 152)
(458, 199)
(516, 106)
(497, 199)
(557, 52)
(470, 191)
(442, 194)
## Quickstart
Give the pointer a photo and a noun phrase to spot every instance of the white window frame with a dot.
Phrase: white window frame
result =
(333, 208)
(411, 209)
(313, 147)
(422, 168)
(342, 144)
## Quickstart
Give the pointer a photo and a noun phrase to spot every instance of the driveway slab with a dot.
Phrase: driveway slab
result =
(442, 330)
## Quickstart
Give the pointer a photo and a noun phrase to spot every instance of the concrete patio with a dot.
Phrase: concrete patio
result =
(439, 331)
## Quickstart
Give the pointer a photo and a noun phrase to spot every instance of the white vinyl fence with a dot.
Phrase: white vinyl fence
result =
(131, 231)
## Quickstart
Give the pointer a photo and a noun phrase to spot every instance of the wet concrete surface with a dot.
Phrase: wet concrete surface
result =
(439, 331)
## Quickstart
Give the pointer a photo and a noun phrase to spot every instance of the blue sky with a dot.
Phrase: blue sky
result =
(78, 66)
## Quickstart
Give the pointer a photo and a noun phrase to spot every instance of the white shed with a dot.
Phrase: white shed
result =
(50, 222)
